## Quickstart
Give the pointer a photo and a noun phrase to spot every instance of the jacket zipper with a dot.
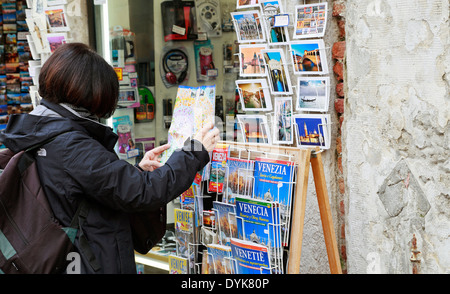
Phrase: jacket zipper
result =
(16, 228)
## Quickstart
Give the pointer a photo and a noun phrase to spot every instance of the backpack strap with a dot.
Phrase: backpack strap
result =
(77, 222)
(80, 215)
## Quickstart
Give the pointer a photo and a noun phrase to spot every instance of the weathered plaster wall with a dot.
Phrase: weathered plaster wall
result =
(396, 135)
(76, 11)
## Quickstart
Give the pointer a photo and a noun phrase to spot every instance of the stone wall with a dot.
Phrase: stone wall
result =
(395, 136)
(76, 11)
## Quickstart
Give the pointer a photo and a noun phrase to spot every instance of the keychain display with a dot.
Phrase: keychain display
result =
(204, 62)
(126, 147)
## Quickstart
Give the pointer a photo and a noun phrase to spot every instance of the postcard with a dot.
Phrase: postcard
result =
(254, 95)
(38, 31)
(9, 18)
(239, 179)
(9, 8)
(279, 78)
(56, 2)
(310, 20)
(56, 19)
(178, 265)
(219, 259)
(11, 57)
(312, 130)
(246, 4)
(309, 57)
(283, 132)
(248, 26)
(55, 40)
(9, 28)
(38, 6)
(21, 27)
(33, 51)
(313, 93)
(251, 60)
(254, 128)
(276, 35)
(226, 219)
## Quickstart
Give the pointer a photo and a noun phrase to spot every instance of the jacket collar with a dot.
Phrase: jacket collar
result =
(100, 132)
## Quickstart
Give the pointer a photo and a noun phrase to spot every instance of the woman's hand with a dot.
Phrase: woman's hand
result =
(208, 136)
(150, 162)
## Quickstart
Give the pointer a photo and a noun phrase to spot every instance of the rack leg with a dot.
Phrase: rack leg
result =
(325, 213)
(298, 214)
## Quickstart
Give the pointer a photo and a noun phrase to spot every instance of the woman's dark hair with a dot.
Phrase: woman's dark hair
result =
(77, 75)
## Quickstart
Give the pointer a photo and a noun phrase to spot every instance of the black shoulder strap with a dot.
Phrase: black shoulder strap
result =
(80, 215)
(77, 222)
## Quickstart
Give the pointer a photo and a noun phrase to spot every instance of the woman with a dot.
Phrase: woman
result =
(78, 87)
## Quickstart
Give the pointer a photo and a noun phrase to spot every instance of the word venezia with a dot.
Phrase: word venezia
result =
(272, 168)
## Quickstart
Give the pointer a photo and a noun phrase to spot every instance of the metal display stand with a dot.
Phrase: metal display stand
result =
(304, 158)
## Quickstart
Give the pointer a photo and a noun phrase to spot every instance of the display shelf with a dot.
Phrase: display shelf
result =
(153, 259)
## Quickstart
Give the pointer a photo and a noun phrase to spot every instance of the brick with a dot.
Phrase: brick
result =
(340, 167)
(341, 184)
(338, 69)
(344, 252)
(338, 9)
(340, 89)
(342, 207)
(338, 50)
(341, 120)
(339, 145)
(341, 27)
(339, 105)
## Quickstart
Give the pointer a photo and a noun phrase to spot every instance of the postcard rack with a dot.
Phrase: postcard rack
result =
(304, 159)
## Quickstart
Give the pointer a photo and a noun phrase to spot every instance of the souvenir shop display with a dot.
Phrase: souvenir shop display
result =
(123, 58)
(15, 55)
(248, 26)
(277, 34)
(253, 183)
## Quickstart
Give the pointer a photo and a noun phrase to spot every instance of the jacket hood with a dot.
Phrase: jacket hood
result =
(26, 130)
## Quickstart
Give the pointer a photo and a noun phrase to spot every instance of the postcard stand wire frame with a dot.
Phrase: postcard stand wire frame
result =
(275, 252)
(231, 260)
(260, 34)
(324, 128)
(305, 158)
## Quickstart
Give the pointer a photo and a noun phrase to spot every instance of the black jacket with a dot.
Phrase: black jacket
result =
(81, 164)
